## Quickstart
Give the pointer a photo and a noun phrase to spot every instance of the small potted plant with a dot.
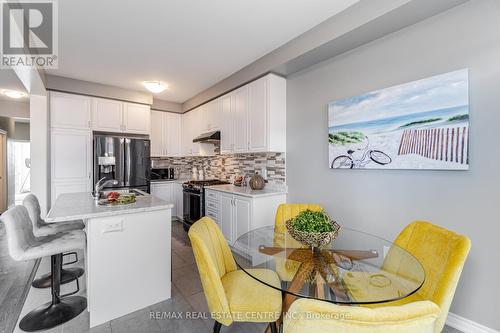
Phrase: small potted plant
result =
(313, 228)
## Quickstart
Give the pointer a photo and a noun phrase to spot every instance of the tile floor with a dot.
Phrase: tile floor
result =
(188, 298)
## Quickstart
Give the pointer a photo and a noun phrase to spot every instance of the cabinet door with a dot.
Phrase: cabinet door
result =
(178, 194)
(157, 133)
(137, 118)
(196, 129)
(213, 115)
(69, 111)
(226, 131)
(71, 155)
(107, 115)
(239, 110)
(71, 161)
(258, 115)
(226, 216)
(242, 216)
(164, 191)
(173, 131)
(185, 142)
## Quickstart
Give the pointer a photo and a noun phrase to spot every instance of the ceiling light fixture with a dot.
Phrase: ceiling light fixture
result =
(155, 87)
(13, 93)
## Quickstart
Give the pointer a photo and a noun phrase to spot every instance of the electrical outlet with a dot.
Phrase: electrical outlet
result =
(112, 226)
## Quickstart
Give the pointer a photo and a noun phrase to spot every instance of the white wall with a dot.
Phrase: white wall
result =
(383, 202)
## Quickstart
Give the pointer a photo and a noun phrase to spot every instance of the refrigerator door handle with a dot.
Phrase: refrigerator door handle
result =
(127, 162)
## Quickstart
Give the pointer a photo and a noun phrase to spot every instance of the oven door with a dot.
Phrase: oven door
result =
(192, 205)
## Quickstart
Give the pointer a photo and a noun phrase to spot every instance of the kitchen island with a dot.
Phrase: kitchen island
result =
(128, 255)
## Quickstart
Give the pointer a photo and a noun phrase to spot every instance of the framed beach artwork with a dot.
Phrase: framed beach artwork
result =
(418, 125)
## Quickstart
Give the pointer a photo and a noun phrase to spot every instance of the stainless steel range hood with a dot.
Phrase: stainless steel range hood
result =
(210, 137)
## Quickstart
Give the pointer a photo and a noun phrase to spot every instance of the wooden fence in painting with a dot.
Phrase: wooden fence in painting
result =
(443, 144)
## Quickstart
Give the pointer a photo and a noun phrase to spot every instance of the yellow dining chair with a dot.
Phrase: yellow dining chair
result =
(442, 254)
(312, 316)
(231, 294)
(287, 269)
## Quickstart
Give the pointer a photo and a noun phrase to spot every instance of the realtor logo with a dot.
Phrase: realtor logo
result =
(28, 34)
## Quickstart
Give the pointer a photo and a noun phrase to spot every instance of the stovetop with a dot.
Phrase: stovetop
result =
(199, 184)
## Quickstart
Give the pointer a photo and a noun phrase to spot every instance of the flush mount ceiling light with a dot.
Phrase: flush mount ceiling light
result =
(155, 87)
(13, 93)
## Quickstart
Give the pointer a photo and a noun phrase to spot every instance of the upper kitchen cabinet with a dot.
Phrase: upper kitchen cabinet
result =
(115, 116)
(69, 111)
(213, 115)
(192, 123)
(165, 134)
(254, 117)
(137, 118)
(239, 112)
(107, 115)
(267, 114)
(227, 126)
(234, 133)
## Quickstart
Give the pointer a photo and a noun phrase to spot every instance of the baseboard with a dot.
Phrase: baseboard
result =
(467, 326)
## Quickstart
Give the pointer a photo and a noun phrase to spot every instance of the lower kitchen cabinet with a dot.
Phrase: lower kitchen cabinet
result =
(237, 214)
(171, 192)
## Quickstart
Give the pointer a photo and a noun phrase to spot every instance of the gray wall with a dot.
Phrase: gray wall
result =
(383, 202)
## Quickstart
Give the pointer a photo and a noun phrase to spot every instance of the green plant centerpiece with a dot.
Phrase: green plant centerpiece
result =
(313, 228)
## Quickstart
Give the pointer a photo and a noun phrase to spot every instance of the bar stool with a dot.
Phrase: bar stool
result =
(23, 245)
(41, 228)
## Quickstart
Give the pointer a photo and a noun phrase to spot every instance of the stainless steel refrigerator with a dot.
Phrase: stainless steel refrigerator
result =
(125, 159)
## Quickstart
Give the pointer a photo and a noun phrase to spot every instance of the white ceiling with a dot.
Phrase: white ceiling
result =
(10, 81)
(188, 44)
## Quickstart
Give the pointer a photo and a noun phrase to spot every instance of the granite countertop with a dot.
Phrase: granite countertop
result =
(77, 206)
(247, 191)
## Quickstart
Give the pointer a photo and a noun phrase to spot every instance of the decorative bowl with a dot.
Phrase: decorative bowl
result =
(313, 239)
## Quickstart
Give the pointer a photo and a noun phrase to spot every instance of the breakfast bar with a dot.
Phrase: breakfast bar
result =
(128, 253)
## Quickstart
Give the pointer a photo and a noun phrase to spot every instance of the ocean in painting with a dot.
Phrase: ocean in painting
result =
(419, 125)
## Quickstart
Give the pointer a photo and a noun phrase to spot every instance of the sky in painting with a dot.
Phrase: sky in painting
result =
(438, 92)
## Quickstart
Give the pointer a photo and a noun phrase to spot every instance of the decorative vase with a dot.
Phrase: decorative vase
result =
(257, 182)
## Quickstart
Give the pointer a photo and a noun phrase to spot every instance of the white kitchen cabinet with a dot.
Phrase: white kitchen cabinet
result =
(165, 192)
(69, 111)
(267, 114)
(178, 199)
(191, 128)
(173, 128)
(239, 111)
(227, 219)
(213, 115)
(114, 116)
(158, 135)
(227, 126)
(137, 118)
(71, 161)
(107, 115)
(242, 215)
(238, 214)
(165, 134)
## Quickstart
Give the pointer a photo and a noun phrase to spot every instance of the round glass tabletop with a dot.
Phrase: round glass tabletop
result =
(356, 268)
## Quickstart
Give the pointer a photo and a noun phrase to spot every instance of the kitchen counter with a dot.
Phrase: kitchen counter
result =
(80, 206)
(247, 191)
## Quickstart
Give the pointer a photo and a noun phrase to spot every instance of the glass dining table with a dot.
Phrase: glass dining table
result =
(357, 268)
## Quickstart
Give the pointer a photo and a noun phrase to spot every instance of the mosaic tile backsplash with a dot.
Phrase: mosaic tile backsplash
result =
(225, 167)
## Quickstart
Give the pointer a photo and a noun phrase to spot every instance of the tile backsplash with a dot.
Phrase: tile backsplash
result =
(225, 167)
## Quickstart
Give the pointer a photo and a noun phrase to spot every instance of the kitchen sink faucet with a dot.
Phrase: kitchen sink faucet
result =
(101, 184)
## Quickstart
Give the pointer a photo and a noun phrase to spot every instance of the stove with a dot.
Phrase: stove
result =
(194, 199)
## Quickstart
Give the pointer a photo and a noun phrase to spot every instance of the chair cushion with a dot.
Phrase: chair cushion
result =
(251, 300)
(54, 228)
(54, 244)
